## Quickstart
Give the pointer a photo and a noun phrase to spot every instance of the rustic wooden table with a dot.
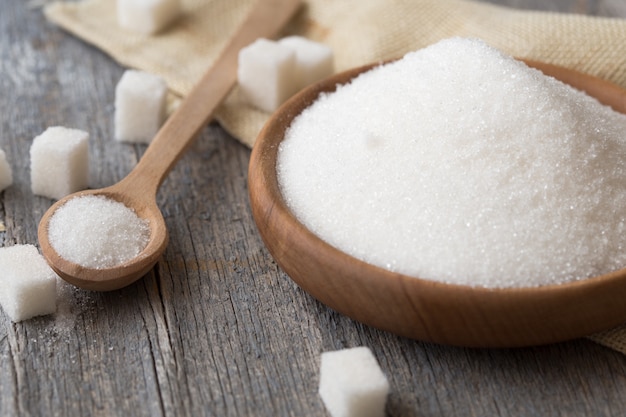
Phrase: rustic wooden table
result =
(217, 328)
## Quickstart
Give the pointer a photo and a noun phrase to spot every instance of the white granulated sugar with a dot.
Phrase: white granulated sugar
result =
(97, 232)
(462, 165)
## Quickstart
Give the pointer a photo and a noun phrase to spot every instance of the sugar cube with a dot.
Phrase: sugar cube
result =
(27, 283)
(265, 74)
(147, 16)
(59, 162)
(140, 101)
(352, 384)
(6, 175)
(314, 60)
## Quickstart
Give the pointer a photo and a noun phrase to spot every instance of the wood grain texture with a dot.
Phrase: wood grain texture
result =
(217, 329)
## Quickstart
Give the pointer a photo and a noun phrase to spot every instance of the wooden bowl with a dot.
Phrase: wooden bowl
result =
(417, 308)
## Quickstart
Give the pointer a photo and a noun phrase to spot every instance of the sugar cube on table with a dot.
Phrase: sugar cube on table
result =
(27, 283)
(59, 162)
(147, 16)
(352, 383)
(314, 60)
(140, 101)
(266, 74)
(6, 175)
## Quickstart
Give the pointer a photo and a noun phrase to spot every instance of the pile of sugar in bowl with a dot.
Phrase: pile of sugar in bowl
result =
(462, 165)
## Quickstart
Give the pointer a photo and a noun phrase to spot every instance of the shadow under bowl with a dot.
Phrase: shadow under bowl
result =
(417, 308)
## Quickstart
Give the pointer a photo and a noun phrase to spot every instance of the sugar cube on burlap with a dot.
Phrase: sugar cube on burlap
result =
(314, 60)
(266, 74)
(140, 102)
(147, 17)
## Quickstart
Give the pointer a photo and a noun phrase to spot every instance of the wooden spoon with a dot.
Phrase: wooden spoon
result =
(414, 307)
(138, 190)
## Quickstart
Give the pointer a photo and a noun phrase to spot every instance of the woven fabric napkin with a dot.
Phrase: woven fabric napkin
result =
(359, 32)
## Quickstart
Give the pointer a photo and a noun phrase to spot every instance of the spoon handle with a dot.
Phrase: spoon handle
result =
(265, 19)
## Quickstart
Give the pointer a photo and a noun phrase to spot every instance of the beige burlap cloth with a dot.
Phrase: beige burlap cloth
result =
(359, 32)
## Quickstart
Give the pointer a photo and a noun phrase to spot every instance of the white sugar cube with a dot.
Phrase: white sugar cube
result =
(147, 16)
(266, 74)
(140, 101)
(27, 283)
(352, 384)
(6, 175)
(59, 162)
(314, 60)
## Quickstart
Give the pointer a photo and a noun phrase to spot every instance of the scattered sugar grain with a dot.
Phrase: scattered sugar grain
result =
(65, 316)
(27, 283)
(352, 383)
(97, 232)
(462, 165)
(6, 174)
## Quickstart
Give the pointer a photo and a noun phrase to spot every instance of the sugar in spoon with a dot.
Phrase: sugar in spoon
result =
(138, 190)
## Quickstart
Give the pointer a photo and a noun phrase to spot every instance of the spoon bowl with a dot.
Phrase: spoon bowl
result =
(139, 189)
(417, 308)
(119, 275)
